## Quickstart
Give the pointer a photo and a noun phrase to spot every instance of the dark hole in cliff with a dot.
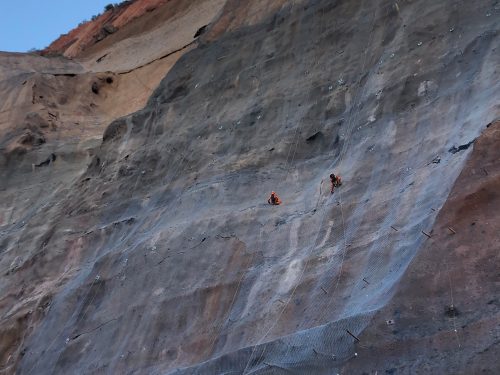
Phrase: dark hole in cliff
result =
(102, 57)
(314, 137)
(451, 311)
(455, 149)
(109, 80)
(47, 161)
(200, 31)
(95, 88)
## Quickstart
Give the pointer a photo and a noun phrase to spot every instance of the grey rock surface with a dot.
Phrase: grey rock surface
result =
(164, 257)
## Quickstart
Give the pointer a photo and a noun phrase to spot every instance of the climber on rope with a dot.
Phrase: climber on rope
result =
(274, 199)
(336, 181)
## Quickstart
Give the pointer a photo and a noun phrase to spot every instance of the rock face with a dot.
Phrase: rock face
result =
(90, 32)
(157, 253)
(444, 316)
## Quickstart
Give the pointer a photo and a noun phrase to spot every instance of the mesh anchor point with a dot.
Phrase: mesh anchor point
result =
(351, 334)
(427, 234)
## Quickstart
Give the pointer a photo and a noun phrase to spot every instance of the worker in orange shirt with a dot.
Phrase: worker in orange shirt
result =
(335, 181)
(274, 199)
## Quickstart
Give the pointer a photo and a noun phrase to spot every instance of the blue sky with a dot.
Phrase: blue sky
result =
(26, 24)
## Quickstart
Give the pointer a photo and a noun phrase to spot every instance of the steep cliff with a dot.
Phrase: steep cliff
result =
(147, 245)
